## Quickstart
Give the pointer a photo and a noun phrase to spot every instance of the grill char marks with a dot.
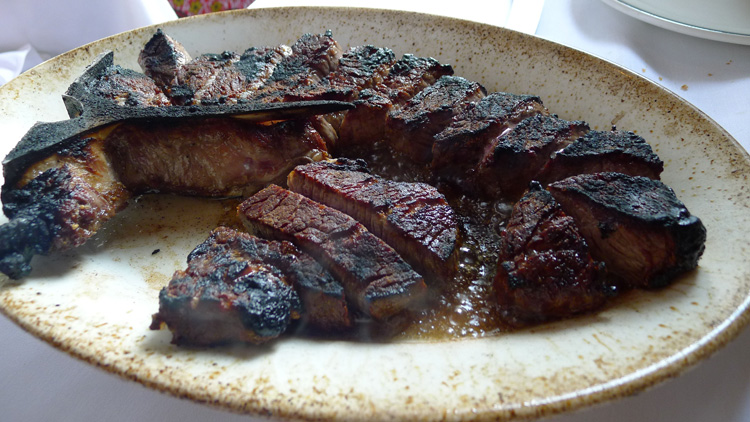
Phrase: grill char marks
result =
(375, 278)
(298, 76)
(231, 292)
(124, 87)
(636, 225)
(410, 129)
(413, 218)
(365, 125)
(460, 147)
(597, 151)
(514, 158)
(545, 270)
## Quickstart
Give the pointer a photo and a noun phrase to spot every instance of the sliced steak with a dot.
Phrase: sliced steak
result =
(365, 125)
(299, 74)
(514, 158)
(125, 87)
(410, 129)
(545, 270)
(460, 147)
(636, 225)
(413, 218)
(598, 151)
(360, 69)
(375, 278)
(229, 293)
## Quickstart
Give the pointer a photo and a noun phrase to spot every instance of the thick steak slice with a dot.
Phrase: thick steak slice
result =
(375, 278)
(365, 125)
(413, 218)
(514, 158)
(210, 78)
(239, 288)
(228, 294)
(298, 75)
(636, 225)
(411, 128)
(545, 270)
(460, 147)
(598, 151)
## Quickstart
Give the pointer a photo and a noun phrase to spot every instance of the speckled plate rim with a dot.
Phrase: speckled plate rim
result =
(521, 72)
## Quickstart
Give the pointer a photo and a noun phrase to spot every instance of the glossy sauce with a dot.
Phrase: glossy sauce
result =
(464, 307)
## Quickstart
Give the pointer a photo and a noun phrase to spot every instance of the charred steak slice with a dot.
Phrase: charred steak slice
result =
(375, 278)
(410, 129)
(365, 125)
(229, 293)
(545, 270)
(636, 225)
(59, 203)
(598, 151)
(514, 158)
(209, 78)
(413, 218)
(458, 149)
(298, 75)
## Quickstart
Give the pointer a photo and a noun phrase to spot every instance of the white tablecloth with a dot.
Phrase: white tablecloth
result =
(40, 383)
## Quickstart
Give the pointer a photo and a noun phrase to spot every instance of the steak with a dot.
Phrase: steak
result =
(410, 129)
(375, 278)
(598, 151)
(459, 148)
(514, 158)
(230, 292)
(636, 225)
(365, 125)
(210, 157)
(59, 204)
(545, 270)
(413, 218)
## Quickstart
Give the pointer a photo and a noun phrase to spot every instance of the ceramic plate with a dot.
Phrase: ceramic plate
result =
(718, 20)
(96, 302)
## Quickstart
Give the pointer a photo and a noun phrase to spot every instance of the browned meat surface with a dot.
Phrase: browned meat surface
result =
(597, 152)
(58, 204)
(410, 129)
(413, 218)
(269, 74)
(365, 125)
(459, 148)
(126, 87)
(161, 59)
(514, 158)
(229, 293)
(636, 225)
(545, 270)
(375, 278)
(298, 75)
(210, 157)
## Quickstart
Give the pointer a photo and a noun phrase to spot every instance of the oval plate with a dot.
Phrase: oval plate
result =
(96, 302)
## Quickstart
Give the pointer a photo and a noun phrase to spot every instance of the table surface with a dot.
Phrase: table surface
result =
(40, 383)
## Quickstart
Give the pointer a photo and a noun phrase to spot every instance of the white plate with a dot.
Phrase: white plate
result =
(96, 302)
(718, 20)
